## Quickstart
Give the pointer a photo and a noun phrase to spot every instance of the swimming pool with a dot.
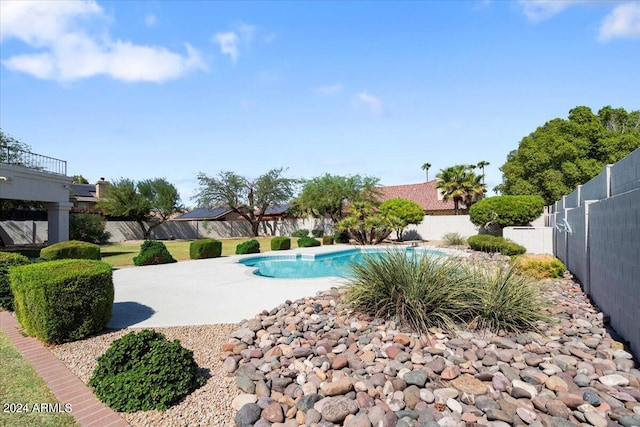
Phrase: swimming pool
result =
(304, 266)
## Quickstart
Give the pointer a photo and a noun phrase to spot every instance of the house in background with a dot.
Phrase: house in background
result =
(204, 214)
(85, 196)
(424, 194)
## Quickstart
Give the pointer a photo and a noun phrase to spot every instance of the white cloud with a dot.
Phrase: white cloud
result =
(328, 90)
(150, 20)
(247, 32)
(539, 10)
(623, 22)
(66, 51)
(228, 44)
(371, 102)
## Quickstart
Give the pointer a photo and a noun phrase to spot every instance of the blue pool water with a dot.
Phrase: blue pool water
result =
(302, 266)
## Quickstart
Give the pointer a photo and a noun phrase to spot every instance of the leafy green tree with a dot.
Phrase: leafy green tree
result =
(460, 184)
(406, 211)
(367, 225)
(250, 199)
(150, 202)
(79, 179)
(506, 211)
(562, 154)
(327, 195)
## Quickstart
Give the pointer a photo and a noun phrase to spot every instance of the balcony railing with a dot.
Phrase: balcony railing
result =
(29, 160)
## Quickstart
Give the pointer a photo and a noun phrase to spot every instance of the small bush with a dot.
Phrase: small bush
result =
(144, 371)
(506, 211)
(73, 249)
(153, 252)
(248, 247)
(453, 239)
(317, 232)
(539, 266)
(8, 260)
(63, 300)
(307, 242)
(504, 300)
(205, 248)
(302, 232)
(341, 237)
(88, 228)
(419, 292)
(327, 240)
(280, 243)
(488, 243)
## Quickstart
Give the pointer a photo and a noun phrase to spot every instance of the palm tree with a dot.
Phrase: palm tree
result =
(460, 184)
(481, 165)
(425, 167)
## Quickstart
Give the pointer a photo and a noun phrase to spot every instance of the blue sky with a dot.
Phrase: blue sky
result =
(145, 89)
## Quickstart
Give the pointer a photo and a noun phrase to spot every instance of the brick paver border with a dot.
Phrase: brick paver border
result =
(67, 388)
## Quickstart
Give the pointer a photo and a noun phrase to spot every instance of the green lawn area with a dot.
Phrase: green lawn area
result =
(21, 385)
(121, 254)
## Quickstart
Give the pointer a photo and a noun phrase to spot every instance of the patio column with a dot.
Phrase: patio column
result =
(58, 216)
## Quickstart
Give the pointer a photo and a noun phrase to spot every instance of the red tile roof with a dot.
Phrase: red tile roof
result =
(424, 193)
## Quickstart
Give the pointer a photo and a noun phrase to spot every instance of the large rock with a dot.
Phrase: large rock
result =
(336, 409)
(342, 386)
(248, 415)
(468, 384)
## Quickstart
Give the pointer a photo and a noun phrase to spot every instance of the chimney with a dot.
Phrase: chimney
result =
(101, 188)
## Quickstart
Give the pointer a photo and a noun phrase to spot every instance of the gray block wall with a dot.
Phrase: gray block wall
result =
(603, 248)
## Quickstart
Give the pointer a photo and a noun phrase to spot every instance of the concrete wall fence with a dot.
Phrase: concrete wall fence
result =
(597, 236)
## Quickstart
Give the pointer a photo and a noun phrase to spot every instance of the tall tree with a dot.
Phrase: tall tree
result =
(460, 184)
(327, 195)
(482, 164)
(248, 198)
(425, 167)
(564, 153)
(150, 202)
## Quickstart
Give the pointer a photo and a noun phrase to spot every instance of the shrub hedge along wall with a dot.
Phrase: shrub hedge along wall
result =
(488, 243)
(248, 247)
(73, 249)
(280, 243)
(205, 248)
(307, 242)
(63, 300)
(8, 260)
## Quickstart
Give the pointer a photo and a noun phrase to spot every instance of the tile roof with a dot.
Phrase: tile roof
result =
(424, 193)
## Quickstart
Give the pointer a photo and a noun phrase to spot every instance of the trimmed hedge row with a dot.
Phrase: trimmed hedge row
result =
(8, 260)
(307, 242)
(73, 249)
(249, 247)
(280, 243)
(63, 300)
(488, 243)
(205, 248)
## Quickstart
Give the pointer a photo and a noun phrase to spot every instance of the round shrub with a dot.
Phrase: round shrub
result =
(249, 247)
(8, 260)
(327, 240)
(317, 232)
(73, 249)
(153, 252)
(280, 243)
(88, 228)
(506, 211)
(307, 242)
(63, 300)
(205, 248)
(539, 266)
(144, 371)
(302, 232)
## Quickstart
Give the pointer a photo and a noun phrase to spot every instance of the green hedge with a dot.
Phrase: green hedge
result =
(341, 237)
(153, 252)
(302, 232)
(488, 243)
(248, 247)
(73, 249)
(8, 260)
(88, 228)
(144, 371)
(317, 232)
(205, 248)
(307, 242)
(280, 243)
(506, 211)
(327, 240)
(64, 300)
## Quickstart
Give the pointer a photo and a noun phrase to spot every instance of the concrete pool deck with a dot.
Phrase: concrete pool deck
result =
(208, 291)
